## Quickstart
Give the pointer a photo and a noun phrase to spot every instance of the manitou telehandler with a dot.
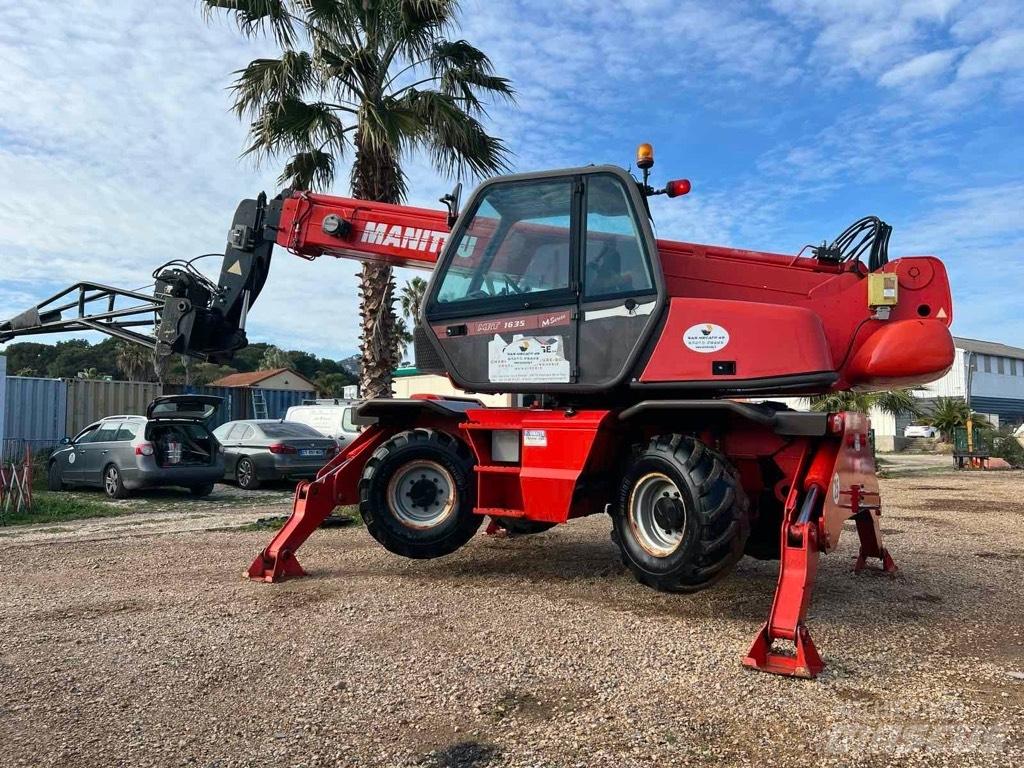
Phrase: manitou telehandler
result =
(552, 286)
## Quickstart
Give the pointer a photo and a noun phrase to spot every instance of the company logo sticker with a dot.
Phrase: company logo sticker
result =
(705, 337)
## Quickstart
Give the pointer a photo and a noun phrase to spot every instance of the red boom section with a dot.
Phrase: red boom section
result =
(315, 225)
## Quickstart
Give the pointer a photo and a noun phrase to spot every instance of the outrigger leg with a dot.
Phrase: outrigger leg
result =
(869, 529)
(335, 485)
(797, 571)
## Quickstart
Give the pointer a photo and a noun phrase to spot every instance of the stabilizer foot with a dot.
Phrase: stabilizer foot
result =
(274, 569)
(805, 661)
(869, 530)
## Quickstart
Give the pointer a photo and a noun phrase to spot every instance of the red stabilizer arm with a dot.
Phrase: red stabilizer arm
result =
(869, 529)
(335, 485)
(797, 572)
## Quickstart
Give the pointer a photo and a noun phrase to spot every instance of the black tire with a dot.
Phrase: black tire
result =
(245, 475)
(445, 501)
(201, 490)
(113, 485)
(521, 527)
(54, 477)
(702, 524)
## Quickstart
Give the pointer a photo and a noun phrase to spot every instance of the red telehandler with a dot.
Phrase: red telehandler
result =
(631, 352)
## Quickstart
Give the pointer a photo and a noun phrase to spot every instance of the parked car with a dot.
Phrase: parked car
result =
(169, 446)
(333, 418)
(256, 450)
(920, 430)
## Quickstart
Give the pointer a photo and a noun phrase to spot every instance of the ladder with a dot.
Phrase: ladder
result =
(259, 404)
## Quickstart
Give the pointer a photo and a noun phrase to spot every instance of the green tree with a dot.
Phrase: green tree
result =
(378, 77)
(896, 402)
(275, 357)
(948, 413)
(134, 361)
(332, 384)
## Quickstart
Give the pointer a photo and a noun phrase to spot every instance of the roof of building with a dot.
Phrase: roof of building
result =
(252, 378)
(988, 347)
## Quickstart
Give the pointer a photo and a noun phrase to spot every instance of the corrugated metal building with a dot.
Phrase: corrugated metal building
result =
(35, 413)
(89, 400)
(997, 381)
(3, 397)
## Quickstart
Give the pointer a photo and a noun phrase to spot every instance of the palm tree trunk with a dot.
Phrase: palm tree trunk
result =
(376, 176)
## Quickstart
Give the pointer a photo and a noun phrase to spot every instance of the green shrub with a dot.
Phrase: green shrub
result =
(1006, 447)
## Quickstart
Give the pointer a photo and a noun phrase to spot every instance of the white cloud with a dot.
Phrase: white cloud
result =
(925, 66)
(1004, 53)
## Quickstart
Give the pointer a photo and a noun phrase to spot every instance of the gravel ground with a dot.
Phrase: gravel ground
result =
(138, 644)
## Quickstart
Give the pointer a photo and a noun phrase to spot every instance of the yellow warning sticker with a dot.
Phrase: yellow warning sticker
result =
(236, 268)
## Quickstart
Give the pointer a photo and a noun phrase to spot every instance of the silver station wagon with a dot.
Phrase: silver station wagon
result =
(169, 446)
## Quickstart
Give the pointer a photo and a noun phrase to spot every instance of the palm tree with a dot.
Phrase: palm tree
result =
(949, 413)
(133, 360)
(412, 298)
(273, 358)
(896, 402)
(378, 77)
(403, 337)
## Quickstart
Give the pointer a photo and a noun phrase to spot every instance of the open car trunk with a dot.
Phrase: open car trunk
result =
(181, 444)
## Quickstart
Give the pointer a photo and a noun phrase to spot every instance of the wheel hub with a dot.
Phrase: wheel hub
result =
(669, 513)
(657, 514)
(422, 494)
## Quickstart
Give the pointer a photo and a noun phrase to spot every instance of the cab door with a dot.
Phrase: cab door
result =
(619, 281)
(502, 309)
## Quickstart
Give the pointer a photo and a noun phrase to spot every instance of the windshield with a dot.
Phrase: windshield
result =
(288, 429)
(516, 243)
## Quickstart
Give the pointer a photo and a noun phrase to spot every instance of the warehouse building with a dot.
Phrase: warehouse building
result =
(990, 375)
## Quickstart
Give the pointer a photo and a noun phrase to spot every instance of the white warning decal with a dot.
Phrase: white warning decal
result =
(941, 314)
(532, 359)
(705, 337)
(535, 438)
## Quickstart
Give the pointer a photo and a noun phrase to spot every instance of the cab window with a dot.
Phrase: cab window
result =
(86, 435)
(615, 263)
(516, 244)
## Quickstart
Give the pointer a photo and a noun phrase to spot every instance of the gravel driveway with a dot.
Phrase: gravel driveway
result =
(141, 645)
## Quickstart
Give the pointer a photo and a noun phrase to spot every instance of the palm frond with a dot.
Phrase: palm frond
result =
(312, 171)
(254, 17)
(273, 80)
(295, 126)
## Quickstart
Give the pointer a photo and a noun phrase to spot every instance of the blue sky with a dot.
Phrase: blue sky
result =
(792, 118)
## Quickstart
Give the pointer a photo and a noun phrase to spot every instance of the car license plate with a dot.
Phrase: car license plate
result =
(317, 452)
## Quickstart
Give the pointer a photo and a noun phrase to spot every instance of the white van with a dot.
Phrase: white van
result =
(332, 418)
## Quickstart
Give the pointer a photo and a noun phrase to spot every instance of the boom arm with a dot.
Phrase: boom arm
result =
(188, 314)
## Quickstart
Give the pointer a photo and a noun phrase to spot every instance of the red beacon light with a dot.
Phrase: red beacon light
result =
(677, 187)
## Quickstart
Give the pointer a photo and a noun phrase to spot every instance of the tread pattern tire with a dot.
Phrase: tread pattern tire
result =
(419, 543)
(54, 479)
(716, 523)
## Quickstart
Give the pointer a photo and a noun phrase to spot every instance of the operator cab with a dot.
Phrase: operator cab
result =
(548, 280)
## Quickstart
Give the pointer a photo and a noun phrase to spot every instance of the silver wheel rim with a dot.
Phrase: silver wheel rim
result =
(421, 494)
(110, 481)
(244, 473)
(654, 539)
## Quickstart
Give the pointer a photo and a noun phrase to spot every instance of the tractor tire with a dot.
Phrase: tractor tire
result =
(113, 486)
(417, 494)
(681, 515)
(519, 526)
(54, 477)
